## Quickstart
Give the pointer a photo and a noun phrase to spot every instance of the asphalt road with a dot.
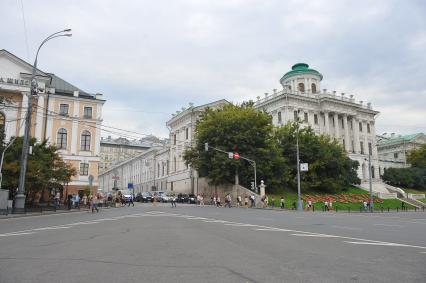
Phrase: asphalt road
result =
(207, 244)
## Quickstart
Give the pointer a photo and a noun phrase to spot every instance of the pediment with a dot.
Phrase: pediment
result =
(14, 67)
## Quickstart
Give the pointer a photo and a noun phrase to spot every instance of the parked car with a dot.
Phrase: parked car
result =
(182, 198)
(127, 194)
(192, 198)
(166, 197)
(146, 197)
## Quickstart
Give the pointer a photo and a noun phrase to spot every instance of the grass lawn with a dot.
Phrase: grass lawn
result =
(290, 197)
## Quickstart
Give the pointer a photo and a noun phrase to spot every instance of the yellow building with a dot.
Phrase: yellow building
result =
(62, 113)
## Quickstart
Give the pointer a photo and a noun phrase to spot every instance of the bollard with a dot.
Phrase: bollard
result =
(336, 208)
(397, 209)
(349, 209)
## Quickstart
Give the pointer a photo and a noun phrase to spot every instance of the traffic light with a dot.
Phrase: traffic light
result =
(252, 186)
(206, 146)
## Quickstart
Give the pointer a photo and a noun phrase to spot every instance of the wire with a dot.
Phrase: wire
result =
(25, 30)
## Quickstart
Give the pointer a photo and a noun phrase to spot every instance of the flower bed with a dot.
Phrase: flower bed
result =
(343, 198)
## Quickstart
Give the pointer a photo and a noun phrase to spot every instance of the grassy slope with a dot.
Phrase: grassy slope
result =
(290, 197)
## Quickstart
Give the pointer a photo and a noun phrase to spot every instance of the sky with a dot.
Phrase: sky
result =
(151, 58)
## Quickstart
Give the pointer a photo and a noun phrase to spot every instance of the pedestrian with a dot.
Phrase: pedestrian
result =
(330, 205)
(402, 206)
(273, 202)
(229, 200)
(253, 201)
(239, 200)
(57, 199)
(309, 204)
(85, 200)
(218, 201)
(173, 201)
(246, 201)
(325, 205)
(282, 203)
(131, 200)
(201, 200)
(266, 201)
(69, 202)
(214, 201)
(95, 204)
(364, 203)
(77, 201)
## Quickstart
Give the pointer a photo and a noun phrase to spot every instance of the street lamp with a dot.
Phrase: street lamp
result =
(20, 197)
(299, 199)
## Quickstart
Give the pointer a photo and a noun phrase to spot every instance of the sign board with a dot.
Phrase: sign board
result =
(130, 186)
(236, 155)
(230, 155)
(304, 167)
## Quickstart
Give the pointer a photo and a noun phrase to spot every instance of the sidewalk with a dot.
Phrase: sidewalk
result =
(46, 212)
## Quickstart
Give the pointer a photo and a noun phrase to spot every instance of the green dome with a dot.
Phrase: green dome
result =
(300, 68)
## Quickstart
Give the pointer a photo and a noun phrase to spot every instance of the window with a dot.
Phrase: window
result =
(158, 170)
(174, 139)
(88, 112)
(360, 126)
(361, 145)
(372, 172)
(316, 119)
(175, 164)
(61, 139)
(343, 124)
(334, 122)
(352, 125)
(305, 117)
(353, 147)
(2, 123)
(370, 148)
(368, 128)
(63, 109)
(84, 169)
(85, 141)
(301, 87)
(187, 133)
(395, 155)
(279, 118)
(314, 88)
(344, 146)
(296, 116)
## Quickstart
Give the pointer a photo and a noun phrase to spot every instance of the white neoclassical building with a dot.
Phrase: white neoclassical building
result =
(350, 122)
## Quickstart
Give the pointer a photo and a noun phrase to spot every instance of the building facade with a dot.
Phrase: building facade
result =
(351, 123)
(162, 168)
(62, 114)
(114, 151)
(393, 149)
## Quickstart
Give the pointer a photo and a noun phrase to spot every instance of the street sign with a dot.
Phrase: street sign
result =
(230, 155)
(130, 186)
(236, 155)
(304, 167)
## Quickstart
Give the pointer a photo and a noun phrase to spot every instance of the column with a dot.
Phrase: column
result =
(24, 108)
(327, 123)
(39, 117)
(356, 135)
(311, 120)
(336, 126)
(320, 123)
(306, 85)
(293, 87)
(345, 125)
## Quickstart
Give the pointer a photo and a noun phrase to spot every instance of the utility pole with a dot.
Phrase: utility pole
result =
(370, 184)
(299, 199)
(20, 197)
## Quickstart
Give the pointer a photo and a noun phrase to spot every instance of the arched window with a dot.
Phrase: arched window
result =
(61, 139)
(85, 141)
(301, 87)
(314, 88)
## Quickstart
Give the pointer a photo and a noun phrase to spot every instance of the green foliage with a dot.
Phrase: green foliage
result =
(406, 177)
(330, 169)
(251, 134)
(417, 157)
(45, 168)
(238, 129)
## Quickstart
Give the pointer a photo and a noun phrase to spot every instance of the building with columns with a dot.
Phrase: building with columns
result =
(350, 122)
(62, 114)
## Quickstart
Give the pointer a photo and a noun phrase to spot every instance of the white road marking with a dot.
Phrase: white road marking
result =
(16, 234)
(379, 244)
(315, 235)
(388, 225)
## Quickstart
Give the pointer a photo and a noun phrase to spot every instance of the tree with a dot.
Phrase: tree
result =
(45, 167)
(417, 157)
(239, 129)
(330, 169)
(406, 177)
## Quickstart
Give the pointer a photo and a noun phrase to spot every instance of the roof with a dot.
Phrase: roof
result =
(399, 139)
(300, 68)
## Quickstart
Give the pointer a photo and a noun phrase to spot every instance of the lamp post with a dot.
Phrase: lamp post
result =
(20, 197)
(370, 185)
(299, 199)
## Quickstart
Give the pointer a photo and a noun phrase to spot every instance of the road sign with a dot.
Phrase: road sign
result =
(304, 167)
(236, 155)
(230, 155)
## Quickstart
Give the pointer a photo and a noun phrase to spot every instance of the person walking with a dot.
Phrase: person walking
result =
(239, 201)
(273, 202)
(85, 201)
(57, 199)
(218, 201)
(201, 200)
(173, 201)
(282, 203)
(246, 201)
(131, 200)
(77, 201)
(95, 204)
